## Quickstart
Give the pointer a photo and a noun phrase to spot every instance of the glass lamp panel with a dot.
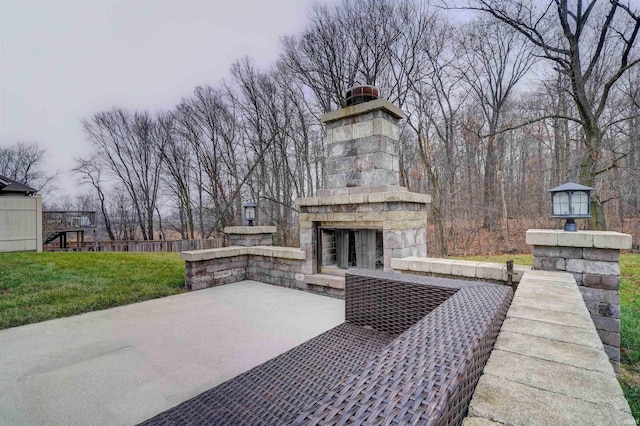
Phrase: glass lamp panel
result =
(580, 203)
(561, 204)
(250, 213)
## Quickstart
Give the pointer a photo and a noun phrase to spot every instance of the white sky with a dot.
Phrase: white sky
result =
(63, 61)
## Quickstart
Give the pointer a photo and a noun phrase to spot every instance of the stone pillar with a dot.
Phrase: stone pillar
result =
(248, 236)
(593, 257)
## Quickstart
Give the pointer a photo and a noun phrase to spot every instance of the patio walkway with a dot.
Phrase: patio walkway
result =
(123, 365)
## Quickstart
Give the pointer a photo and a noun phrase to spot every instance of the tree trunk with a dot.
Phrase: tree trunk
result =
(588, 175)
(505, 212)
(489, 186)
(438, 220)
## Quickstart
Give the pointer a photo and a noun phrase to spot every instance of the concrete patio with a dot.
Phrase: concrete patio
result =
(121, 366)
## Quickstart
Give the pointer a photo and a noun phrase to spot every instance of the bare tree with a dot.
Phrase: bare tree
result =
(594, 45)
(368, 42)
(207, 121)
(178, 162)
(323, 57)
(130, 148)
(436, 100)
(494, 59)
(91, 174)
(22, 162)
(408, 30)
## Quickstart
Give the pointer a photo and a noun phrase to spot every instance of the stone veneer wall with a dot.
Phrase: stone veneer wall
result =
(276, 271)
(213, 272)
(362, 145)
(593, 258)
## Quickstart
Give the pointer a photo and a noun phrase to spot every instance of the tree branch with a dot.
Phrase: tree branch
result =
(532, 121)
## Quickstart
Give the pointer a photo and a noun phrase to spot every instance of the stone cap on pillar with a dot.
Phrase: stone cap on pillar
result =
(359, 109)
(588, 239)
(249, 230)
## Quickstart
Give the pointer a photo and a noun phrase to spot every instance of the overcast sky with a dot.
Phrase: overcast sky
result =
(62, 61)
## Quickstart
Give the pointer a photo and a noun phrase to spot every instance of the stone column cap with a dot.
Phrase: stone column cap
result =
(249, 230)
(588, 239)
(363, 108)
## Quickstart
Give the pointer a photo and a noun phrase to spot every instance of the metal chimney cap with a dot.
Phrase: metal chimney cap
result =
(360, 94)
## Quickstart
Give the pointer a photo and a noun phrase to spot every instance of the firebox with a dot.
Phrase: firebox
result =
(350, 248)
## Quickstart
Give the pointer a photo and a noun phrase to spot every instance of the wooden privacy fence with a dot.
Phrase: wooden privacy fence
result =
(143, 246)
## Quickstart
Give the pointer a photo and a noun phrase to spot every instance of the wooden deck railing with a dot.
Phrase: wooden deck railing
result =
(138, 246)
(68, 220)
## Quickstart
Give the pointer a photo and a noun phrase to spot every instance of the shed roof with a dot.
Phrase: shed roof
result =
(10, 186)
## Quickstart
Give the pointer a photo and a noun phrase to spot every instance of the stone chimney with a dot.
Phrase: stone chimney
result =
(362, 142)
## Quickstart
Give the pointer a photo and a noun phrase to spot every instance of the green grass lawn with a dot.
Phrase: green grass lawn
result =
(629, 322)
(630, 330)
(41, 286)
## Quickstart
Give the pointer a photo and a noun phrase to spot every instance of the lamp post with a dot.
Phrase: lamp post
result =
(571, 201)
(250, 212)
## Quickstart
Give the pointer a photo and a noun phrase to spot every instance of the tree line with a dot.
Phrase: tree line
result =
(521, 97)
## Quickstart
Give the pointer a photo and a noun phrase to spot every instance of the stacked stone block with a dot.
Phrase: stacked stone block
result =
(326, 285)
(276, 271)
(362, 189)
(593, 258)
(467, 270)
(328, 248)
(227, 266)
(547, 366)
(249, 236)
(362, 145)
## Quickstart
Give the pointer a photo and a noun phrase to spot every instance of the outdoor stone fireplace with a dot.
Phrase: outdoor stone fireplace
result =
(363, 218)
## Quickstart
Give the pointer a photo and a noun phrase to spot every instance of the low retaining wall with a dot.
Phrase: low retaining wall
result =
(273, 265)
(548, 365)
(275, 270)
(464, 269)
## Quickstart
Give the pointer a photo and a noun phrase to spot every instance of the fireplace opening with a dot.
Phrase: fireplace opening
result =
(351, 248)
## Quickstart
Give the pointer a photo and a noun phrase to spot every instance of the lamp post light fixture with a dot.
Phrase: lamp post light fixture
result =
(571, 201)
(250, 212)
